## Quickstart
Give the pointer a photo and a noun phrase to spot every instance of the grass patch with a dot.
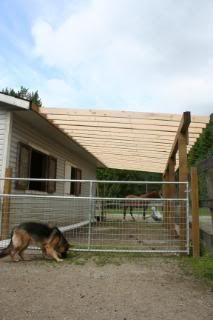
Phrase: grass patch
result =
(200, 267)
(204, 212)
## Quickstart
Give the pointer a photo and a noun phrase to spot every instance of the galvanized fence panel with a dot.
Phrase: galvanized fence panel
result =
(96, 222)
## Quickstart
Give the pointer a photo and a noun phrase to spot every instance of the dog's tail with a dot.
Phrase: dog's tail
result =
(6, 251)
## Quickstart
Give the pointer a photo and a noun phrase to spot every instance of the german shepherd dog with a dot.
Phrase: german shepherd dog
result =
(51, 241)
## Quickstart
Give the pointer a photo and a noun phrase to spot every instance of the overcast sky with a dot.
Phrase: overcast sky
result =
(139, 55)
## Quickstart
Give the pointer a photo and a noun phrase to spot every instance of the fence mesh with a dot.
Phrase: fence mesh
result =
(103, 218)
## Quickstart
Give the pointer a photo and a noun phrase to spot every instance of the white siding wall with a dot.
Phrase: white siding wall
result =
(61, 212)
(4, 133)
(23, 133)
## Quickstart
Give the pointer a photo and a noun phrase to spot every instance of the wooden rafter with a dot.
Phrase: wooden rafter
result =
(123, 139)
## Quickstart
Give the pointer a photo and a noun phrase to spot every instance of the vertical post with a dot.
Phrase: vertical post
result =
(183, 177)
(171, 191)
(6, 205)
(165, 195)
(90, 215)
(195, 213)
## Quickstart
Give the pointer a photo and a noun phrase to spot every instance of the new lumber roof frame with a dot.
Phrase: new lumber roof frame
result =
(128, 140)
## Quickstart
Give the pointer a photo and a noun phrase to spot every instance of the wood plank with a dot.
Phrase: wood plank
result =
(125, 131)
(108, 125)
(183, 176)
(133, 155)
(164, 145)
(127, 151)
(130, 144)
(110, 113)
(85, 120)
(172, 195)
(132, 127)
(108, 161)
(120, 114)
(5, 219)
(122, 132)
(130, 164)
(133, 147)
(128, 161)
(103, 118)
(122, 135)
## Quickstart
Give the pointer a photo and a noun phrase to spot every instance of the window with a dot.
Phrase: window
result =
(71, 172)
(33, 163)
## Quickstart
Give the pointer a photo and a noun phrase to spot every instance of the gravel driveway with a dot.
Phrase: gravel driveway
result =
(142, 288)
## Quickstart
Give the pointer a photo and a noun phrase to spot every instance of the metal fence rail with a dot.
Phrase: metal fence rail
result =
(94, 222)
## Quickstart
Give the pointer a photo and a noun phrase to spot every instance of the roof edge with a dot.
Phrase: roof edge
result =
(14, 101)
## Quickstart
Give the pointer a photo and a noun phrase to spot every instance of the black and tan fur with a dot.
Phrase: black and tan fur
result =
(52, 242)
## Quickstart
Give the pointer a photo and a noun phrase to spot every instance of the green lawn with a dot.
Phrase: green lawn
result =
(204, 212)
(201, 267)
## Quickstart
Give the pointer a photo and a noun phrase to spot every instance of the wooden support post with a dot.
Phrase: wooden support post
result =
(171, 194)
(165, 195)
(183, 177)
(195, 213)
(6, 205)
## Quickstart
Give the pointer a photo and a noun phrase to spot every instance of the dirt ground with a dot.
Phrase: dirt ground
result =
(127, 289)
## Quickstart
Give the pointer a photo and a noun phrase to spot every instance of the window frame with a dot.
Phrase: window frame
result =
(72, 188)
(50, 186)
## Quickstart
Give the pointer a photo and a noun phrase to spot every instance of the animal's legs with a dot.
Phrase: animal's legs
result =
(144, 212)
(124, 212)
(52, 253)
(131, 214)
(21, 251)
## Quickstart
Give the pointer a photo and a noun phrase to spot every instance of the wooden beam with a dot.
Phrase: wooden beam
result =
(182, 129)
(128, 152)
(134, 167)
(183, 176)
(111, 113)
(124, 145)
(171, 194)
(119, 136)
(5, 220)
(165, 202)
(135, 124)
(119, 114)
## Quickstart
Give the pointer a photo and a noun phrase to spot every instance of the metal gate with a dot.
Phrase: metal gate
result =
(107, 216)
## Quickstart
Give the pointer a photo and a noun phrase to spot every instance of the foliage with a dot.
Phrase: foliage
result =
(204, 145)
(24, 93)
(110, 189)
(201, 150)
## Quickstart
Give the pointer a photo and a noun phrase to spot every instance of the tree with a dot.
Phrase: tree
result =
(24, 93)
(202, 149)
(122, 190)
(203, 146)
